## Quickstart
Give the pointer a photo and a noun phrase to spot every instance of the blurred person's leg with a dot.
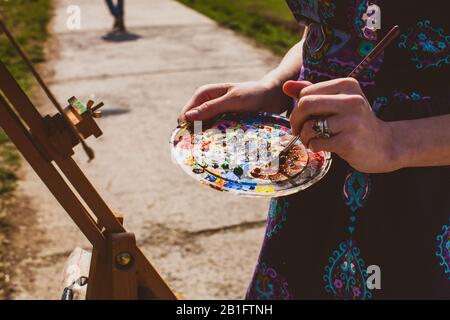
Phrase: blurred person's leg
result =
(118, 12)
(120, 8)
(111, 7)
(120, 15)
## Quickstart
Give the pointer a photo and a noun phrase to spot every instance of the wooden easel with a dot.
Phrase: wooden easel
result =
(118, 270)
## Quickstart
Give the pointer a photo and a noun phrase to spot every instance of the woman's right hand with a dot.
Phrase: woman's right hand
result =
(214, 99)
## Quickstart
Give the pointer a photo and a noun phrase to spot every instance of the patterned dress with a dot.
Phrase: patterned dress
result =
(327, 241)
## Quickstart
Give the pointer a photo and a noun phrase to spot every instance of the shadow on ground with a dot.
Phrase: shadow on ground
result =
(114, 112)
(120, 36)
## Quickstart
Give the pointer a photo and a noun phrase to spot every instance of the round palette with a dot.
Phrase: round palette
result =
(239, 153)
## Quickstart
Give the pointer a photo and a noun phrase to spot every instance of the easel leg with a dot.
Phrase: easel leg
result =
(123, 266)
(113, 273)
(99, 284)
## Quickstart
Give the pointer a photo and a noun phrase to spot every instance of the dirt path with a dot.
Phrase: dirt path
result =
(205, 243)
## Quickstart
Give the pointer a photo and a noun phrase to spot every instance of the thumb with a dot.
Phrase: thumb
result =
(293, 88)
(209, 109)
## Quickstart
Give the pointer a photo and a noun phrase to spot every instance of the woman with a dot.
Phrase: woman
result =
(386, 201)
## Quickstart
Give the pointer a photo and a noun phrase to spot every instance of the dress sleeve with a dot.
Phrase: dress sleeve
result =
(298, 12)
(306, 12)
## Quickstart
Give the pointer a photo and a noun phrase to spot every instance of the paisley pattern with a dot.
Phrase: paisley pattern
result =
(326, 63)
(330, 54)
(268, 285)
(428, 46)
(277, 216)
(444, 249)
(346, 276)
(356, 189)
(317, 42)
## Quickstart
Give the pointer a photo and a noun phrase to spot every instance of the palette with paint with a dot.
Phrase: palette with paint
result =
(239, 153)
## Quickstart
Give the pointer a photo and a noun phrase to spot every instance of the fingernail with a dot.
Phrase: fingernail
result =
(192, 114)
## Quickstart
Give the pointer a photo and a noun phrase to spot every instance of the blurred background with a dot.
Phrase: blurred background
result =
(205, 243)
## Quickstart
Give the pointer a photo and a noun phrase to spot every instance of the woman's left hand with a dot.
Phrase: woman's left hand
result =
(357, 135)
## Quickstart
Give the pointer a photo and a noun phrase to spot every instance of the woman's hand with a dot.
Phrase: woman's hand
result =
(212, 100)
(358, 136)
(264, 95)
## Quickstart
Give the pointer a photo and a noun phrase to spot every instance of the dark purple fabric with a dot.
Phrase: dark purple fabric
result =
(319, 242)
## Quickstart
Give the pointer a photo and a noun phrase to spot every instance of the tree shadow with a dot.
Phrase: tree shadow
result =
(115, 36)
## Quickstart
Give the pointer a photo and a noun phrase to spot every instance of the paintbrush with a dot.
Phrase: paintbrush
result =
(373, 55)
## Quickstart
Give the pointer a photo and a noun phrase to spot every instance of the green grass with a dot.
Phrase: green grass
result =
(269, 22)
(27, 20)
(9, 164)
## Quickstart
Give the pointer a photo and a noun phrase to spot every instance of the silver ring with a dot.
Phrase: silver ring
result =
(326, 129)
(321, 129)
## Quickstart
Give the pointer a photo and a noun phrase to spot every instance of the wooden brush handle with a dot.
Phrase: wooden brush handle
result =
(375, 53)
